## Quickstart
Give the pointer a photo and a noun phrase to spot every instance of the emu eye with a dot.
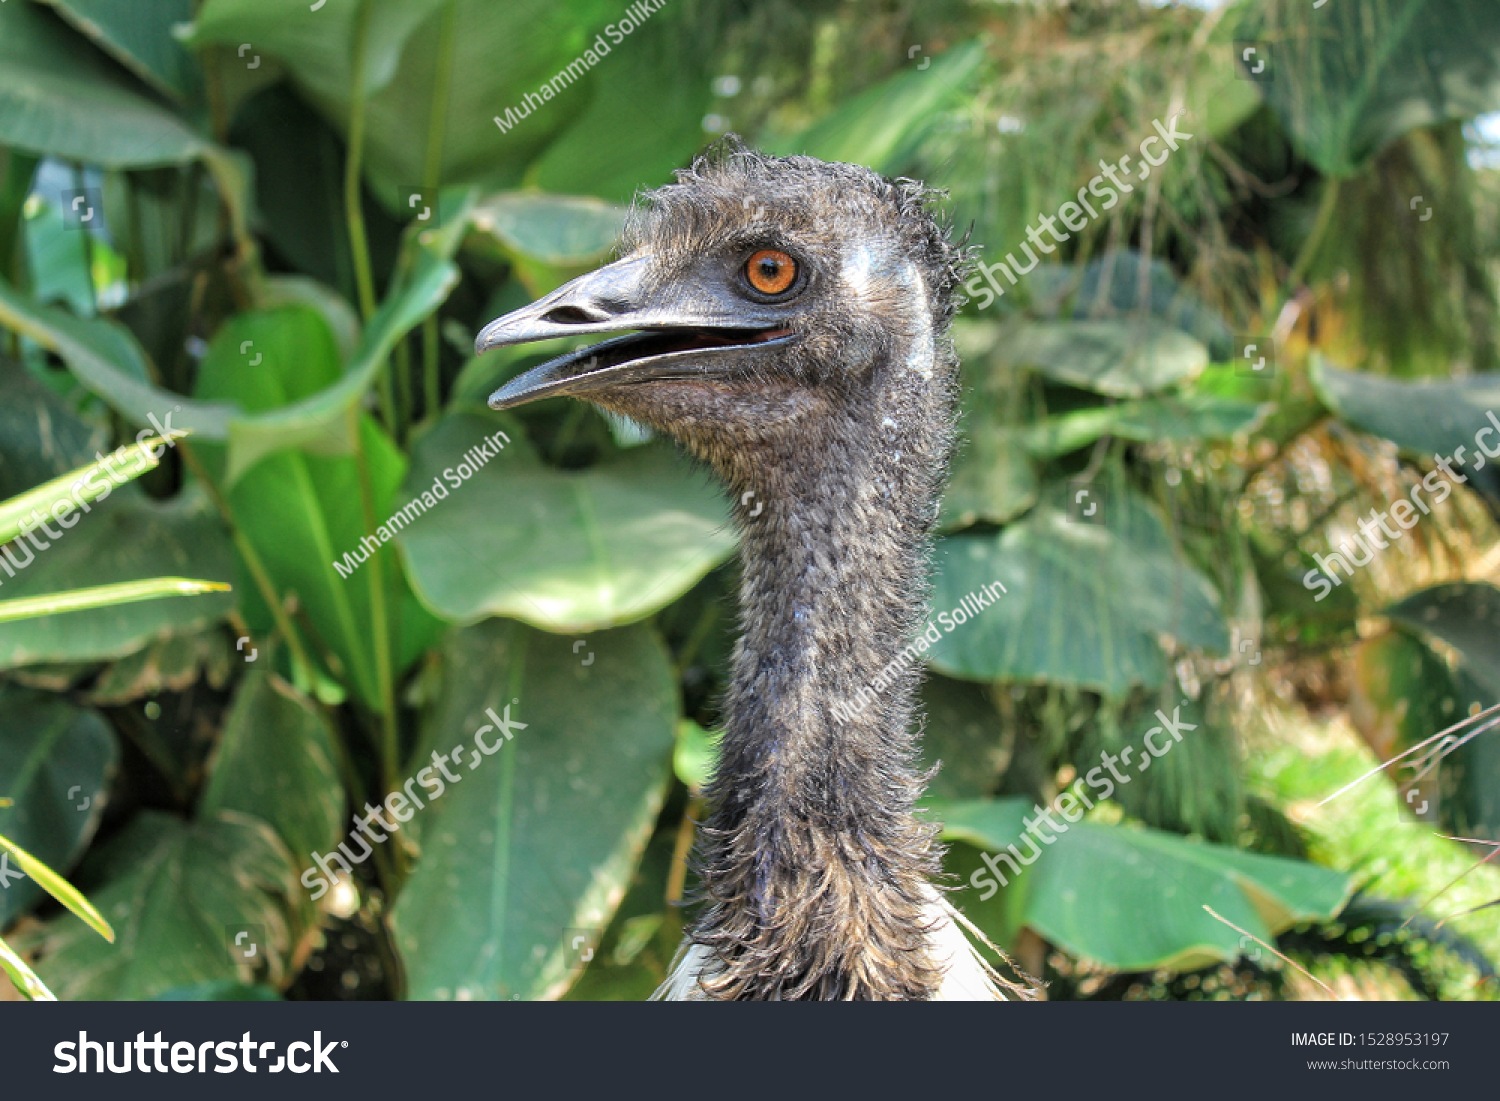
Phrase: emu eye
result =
(770, 271)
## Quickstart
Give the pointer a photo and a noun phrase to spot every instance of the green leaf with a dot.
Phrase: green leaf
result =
(1188, 417)
(1423, 418)
(276, 760)
(965, 735)
(40, 435)
(317, 45)
(301, 512)
(168, 664)
(138, 34)
(1125, 359)
(1132, 899)
(55, 763)
(57, 258)
(1083, 605)
(539, 843)
(550, 238)
(22, 977)
(106, 358)
(1463, 615)
(1404, 693)
(696, 754)
(60, 97)
(880, 126)
(89, 483)
(320, 423)
(58, 887)
(177, 893)
(123, 540)
(1348, 79)
(993, 479)
(650, 75)
(562, 550)
(503, 51)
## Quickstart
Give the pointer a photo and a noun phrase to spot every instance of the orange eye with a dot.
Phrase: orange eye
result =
(770, 271)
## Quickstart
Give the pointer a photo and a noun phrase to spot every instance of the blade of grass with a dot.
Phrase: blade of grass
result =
(105, 596)
(23, 978)
(59, 888)
(86, 484)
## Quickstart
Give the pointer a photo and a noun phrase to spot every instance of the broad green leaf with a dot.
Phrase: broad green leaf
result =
(40, 435)
(549, 238)
(320, 423)
(55, 763)
(276, 760)
(1166, 417)
(299, 194)
(168, 664)
(1084, 604)
(560, 231)
(290, 290)
(1403, 695)
(502, 52)
(17, 170)
(316, 44)
(124, 540)
(22, 977)
(106, 358)
(1126, 359)
(304, 512)
(87, 483)
(177, 893)
(1463, 615)
(1112, 282)
(138, 34)
(1132, 898)
(58, 887)
(537, 843)
(992, 480)
(1424, 418)
(1348, 79)
(562, 550)
(965, 735)
(880, 126)
(649, 75)
(59, 96)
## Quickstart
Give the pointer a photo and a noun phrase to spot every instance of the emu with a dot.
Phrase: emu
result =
(787, 323)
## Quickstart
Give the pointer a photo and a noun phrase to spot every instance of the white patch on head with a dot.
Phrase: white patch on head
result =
(864, 271)
(858, 271)
(922, 357)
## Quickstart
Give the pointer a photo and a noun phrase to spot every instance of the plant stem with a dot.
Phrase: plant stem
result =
(253, 563)
(437, 122)
(390, 755)
(359, 243)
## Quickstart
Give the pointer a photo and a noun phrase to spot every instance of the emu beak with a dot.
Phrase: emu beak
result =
(674, 332)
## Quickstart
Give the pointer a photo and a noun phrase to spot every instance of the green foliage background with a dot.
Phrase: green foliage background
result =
(280, 228)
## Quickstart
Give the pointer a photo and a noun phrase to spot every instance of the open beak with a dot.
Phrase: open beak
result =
(670, 333)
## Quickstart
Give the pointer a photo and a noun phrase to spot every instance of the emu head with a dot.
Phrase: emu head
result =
(761, 298)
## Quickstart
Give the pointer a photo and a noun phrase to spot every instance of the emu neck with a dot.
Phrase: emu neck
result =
(816, 869)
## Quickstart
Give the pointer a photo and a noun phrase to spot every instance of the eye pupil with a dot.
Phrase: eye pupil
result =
(770, 271)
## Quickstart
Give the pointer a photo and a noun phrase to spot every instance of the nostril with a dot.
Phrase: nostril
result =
(571, 315)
